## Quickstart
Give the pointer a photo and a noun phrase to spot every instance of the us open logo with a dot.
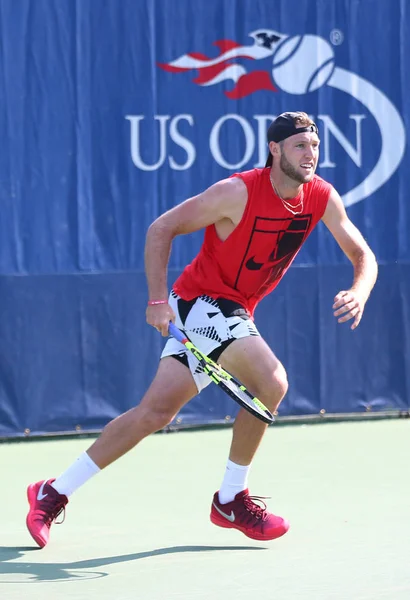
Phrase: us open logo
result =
(300, 65)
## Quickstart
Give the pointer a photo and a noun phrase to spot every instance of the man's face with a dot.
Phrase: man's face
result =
(299, 155)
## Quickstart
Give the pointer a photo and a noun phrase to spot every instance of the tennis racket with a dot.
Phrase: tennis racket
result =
(224, 380)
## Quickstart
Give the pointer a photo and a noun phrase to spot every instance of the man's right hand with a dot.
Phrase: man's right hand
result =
(159, 316)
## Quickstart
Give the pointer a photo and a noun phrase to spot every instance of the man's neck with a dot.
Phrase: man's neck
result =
(285, 187)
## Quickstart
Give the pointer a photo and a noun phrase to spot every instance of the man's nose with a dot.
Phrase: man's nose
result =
(310, 152)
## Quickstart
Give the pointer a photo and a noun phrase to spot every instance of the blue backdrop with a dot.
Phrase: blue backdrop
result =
(112, 112)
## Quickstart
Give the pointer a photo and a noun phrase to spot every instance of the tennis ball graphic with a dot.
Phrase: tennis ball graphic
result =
(302, 64)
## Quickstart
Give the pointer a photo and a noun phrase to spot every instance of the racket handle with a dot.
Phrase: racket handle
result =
(176, 333)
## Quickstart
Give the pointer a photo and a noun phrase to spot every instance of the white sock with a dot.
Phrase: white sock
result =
(80, 471)
(235, 481)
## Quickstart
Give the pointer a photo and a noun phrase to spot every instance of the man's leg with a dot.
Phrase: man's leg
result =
(250, 360)
(172, 387)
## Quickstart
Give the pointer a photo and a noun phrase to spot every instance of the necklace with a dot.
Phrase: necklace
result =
(295, 209)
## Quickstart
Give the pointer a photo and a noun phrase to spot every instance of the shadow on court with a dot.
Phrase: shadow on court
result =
(34, 571)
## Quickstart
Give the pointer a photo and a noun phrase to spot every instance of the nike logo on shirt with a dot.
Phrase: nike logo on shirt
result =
(252, 265)
(230, 517)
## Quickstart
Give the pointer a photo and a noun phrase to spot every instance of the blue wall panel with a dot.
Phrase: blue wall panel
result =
(113, 112)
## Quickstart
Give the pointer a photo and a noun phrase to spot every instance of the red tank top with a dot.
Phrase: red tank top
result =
(249, 264)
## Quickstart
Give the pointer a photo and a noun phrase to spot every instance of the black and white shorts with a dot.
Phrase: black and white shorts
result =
(211, 325)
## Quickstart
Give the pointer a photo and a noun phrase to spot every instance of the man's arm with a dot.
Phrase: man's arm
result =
(350, 303)
(223, 200)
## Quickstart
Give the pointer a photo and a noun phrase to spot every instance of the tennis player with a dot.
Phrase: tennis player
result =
(255, 223)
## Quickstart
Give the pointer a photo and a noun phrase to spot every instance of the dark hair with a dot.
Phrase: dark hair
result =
(286, 125)
(302, 120)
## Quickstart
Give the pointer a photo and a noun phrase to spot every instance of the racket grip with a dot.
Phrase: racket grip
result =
(176, 333)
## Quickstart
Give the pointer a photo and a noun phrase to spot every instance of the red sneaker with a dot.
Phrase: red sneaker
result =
(45, 506)
(244, 514)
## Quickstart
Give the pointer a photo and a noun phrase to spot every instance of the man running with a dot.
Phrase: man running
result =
(255, 223)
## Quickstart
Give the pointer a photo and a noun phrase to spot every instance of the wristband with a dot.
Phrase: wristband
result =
(155, 302)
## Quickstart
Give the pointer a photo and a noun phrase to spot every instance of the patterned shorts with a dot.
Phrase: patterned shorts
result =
(211, 325)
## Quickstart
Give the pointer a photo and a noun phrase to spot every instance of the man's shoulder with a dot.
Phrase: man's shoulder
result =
(250, 174)
(230, 191)
(253, 179)
(319, 179)
(318, 184)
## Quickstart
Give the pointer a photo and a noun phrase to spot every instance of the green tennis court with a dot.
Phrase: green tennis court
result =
(141, 528)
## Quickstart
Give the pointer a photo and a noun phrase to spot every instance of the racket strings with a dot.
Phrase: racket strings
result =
(260, 511)
(245, 396)
(230, 385)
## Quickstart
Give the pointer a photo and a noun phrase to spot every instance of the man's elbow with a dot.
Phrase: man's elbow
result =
(161, 227)
(360, 254)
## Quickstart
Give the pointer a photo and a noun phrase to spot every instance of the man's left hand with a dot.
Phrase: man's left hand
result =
(348, 304)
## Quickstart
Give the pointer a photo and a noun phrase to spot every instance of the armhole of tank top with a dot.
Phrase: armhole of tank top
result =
(211, 229)
(247, 206)
(325, 189)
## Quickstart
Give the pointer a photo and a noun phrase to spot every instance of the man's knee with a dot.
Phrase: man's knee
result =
(155, 418)
(280, 383)
(273, 389)
(281, 379)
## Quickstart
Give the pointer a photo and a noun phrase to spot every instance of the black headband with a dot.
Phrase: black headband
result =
(283, 127)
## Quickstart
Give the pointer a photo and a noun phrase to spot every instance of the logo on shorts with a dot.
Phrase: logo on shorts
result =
(300, 64)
